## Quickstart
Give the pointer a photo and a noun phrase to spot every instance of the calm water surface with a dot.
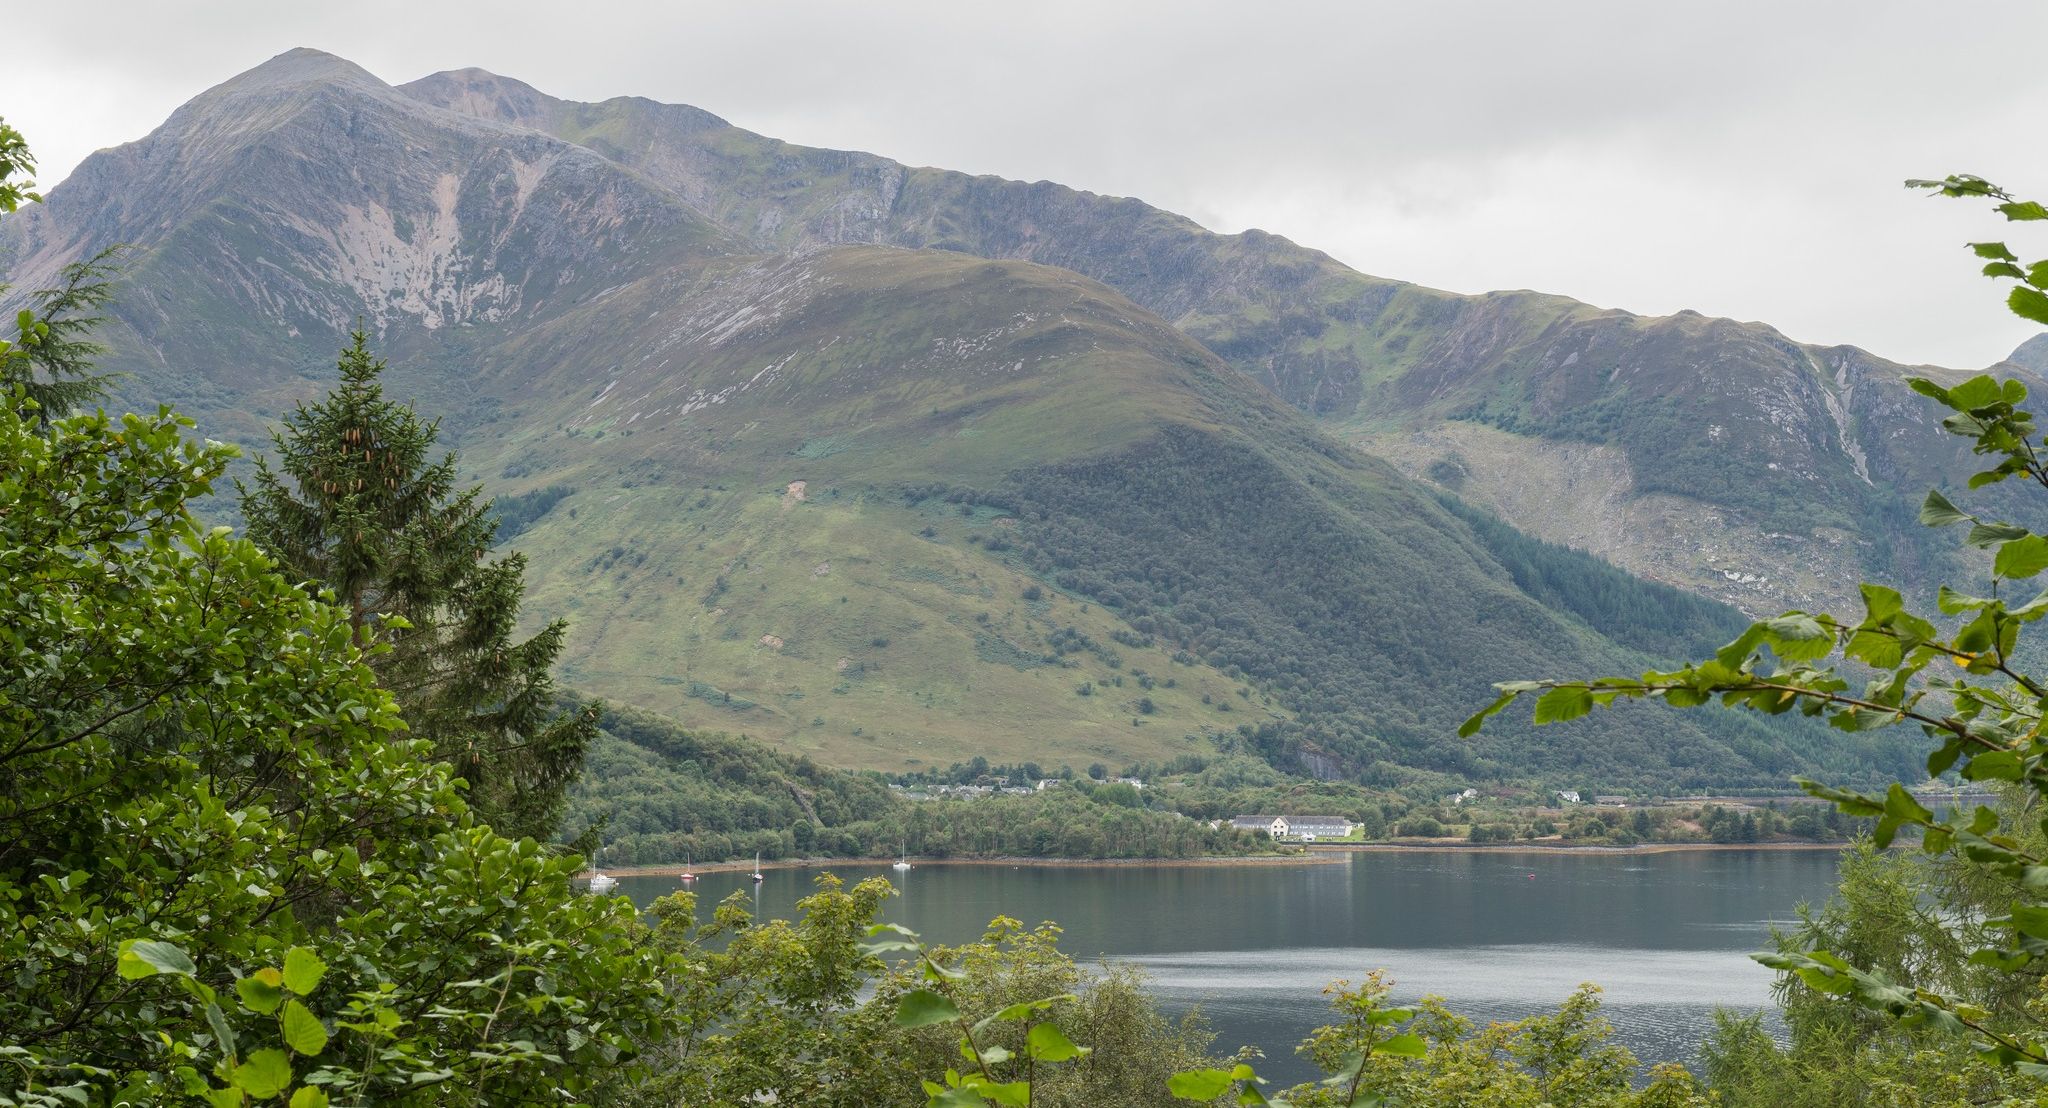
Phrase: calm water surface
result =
(1502, 935)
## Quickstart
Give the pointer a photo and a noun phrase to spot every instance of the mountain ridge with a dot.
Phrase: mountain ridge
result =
(886, 504)
(1413, 373)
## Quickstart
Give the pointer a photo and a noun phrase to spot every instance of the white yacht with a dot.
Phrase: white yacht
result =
(600, 881)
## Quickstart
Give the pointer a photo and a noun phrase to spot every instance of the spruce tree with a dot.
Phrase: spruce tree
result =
(52, 359)
(356, 502)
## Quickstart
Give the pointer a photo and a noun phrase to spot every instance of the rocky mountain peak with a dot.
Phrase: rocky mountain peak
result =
(2031, 354)
(485, 95)
(297, 68)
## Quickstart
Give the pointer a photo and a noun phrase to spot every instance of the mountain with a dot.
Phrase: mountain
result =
(885, 500)
(2031, 355)
(1717, 456)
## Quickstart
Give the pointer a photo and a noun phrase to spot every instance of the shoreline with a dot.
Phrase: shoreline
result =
(1317, 854)
(1306, 858)
(1541, 848)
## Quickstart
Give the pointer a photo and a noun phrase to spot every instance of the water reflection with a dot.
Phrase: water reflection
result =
(1502, 935)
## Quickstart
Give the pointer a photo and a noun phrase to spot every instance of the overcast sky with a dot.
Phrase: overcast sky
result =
(1739, 158)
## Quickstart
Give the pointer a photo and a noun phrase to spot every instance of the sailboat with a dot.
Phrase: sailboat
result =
(600, 882)
(687, 875)
(757, 867)
(902, 858)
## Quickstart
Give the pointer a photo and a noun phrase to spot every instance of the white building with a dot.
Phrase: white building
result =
(1310, 828)
(1306, 828)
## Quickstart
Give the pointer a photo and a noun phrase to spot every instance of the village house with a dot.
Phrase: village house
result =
(1310, 828)
(1306, 828)
(1275, 826)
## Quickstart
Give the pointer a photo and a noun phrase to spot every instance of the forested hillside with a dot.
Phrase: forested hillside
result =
(1725, 457)
(664, 795)
(888, 508)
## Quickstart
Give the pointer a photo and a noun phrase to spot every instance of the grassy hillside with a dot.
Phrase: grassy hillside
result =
(944, 507)
(1731, 460)
(880, 507)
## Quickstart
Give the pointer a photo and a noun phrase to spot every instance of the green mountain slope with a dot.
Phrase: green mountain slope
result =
(885, 507)
(1704, 453)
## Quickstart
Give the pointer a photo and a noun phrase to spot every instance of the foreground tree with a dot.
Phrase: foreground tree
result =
(1960, 676)
(1911, 917)
(226, 874)
(51, 359)
(359, 505)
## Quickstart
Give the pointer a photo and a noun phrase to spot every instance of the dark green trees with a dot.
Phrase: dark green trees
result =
(51, 359)
(201, 782)
(358, 504)
(1965, 975)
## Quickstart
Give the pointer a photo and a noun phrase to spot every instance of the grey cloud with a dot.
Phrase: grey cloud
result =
(1740, 158)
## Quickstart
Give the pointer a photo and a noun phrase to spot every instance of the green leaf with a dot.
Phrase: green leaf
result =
(1937, 840)
(1879, 601)
(1994, 765)
(1987, 535)
(1471, 726)
(309, 1096)
(2004, 269)
(1016, 1094)
(2021, 557)
(1851, 803)
(1993, 250)
(1409, 1045)
(223, 1033)
(1797, 637)
(1018, 1013)
(1047, 1043)
(923, 1007)
(1953, 603)
(1927, 388)
(2022, 210)
(2031, 921)
(259, 995)
(302, 1029)
(1200, 1084)
(265, 1074)
(302, 970)
(2028, 304)
(1936, 511)
(141, 958)
(1981, 391)
(1566, 702)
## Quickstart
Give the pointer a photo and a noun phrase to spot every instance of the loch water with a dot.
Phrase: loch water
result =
(1499, 934)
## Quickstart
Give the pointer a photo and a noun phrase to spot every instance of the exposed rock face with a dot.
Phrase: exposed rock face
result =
(802, 397)
(1746, 437)
(306, 194)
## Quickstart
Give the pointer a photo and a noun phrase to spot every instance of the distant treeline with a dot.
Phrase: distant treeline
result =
(520, 511)
(1658, 620)
(660, 794)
